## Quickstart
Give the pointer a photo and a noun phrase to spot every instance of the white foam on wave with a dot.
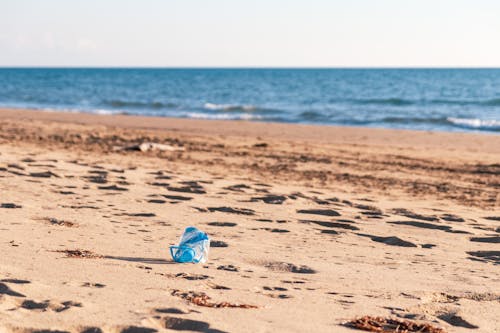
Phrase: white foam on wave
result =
(228, 107)
(475, 123)
(92, 111)
(197, 115)
(107, 112)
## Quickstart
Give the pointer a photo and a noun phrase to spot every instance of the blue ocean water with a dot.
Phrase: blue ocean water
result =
(424, 99)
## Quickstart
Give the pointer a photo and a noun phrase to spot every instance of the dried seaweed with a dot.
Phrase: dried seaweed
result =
(84, 254)
(388, 325)
(58, 222)
(202, 299)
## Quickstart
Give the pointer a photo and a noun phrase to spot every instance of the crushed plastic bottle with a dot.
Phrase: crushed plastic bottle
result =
(193, 247)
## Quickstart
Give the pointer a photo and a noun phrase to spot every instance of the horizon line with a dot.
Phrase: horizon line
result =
(245, 67)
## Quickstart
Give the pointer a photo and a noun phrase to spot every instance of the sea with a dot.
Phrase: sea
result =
(465, 100)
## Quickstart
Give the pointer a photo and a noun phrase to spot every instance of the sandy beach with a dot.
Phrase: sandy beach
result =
(312, 227)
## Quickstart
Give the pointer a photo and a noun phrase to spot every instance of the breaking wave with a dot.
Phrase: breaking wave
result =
(238, 108)
(478, 124)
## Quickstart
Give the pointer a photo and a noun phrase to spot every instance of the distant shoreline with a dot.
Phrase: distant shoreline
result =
(413, 139)
(111, 113)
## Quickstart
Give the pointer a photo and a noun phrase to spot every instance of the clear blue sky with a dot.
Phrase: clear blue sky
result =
(306, 33)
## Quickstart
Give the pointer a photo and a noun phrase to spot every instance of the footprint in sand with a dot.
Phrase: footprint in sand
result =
(426, 225)
(274, 288)
(270, 199)
(237, 188)
(238, 211)
(452, 218)
(170, 311)
(323, 212)
(331, 224)
(176, 197)
(192, 277)
(137, 329)
(45, 174)
(112, 188)
(456, 320)
(222, 224)
(93, 285)
(15, 281)
(407, 213)
(275, 230)
(181, 324)
(160, 184)
(66, 192)
(485, 256)
(195, 189)
(5, 290)
(494, 239)
(156, 201)
(391, 240)
(48, 305)
(329, 232)
(9, 205)
(137, 214)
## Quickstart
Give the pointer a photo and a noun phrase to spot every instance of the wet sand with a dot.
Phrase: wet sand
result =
(311, 226)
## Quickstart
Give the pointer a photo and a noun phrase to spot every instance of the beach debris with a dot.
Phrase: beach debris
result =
(193, 247)
(202, 299)
(218, 243)
(388, 325)
(84, 254)
(229, 268)
(150, 146)
(286, 267)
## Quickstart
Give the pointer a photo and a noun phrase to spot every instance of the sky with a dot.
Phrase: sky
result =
(251, 33)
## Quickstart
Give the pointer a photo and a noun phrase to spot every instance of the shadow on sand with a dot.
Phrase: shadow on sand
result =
(151, 261)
